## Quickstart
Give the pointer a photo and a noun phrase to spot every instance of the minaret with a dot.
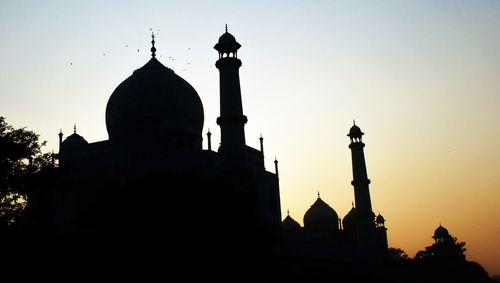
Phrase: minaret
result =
(360, 182)
(231, 120)
(209, 139)
(60, 140)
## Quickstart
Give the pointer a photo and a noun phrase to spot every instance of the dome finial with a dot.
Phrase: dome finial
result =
(318, 194)
(288, 212)
(153, 49)
(74, 128)
(353, 204)
(226, 27)
(354, 122)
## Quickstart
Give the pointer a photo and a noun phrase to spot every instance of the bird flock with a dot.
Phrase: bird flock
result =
(183, 66)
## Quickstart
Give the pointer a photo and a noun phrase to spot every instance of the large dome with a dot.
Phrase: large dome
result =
(155, 104)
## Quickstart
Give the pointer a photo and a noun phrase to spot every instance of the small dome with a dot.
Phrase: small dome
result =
(355, 132)
(226, 38)
(441, 233)
(155, 104)
(227, 43)
(290, 225)
(321, 217)
(350, 218)
(73, 143)
(380, 219)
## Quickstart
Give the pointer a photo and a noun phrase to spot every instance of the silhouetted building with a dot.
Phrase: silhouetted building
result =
(359, 236)
(151, 185)
(446, 248)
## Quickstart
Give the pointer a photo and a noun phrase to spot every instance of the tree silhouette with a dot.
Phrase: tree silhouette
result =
(448, 249)
(21, 159)
(397, 254)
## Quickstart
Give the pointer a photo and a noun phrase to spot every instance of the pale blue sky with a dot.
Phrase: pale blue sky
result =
(421, 78)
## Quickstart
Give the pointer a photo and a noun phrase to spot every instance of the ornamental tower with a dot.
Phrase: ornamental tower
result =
(231, 121)
(364, 214)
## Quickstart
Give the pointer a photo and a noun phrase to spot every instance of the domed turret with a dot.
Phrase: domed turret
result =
(349, 220)
(73, 143)
(227, 45)
(355, 132)
(155, 104)
(380, 221)
(321, 218)
(441, 234)
(290, 225)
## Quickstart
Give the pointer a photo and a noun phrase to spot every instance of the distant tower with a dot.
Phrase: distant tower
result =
(60, 139)
(231, 120)
(209, 138)
(364, 214)
(381, 232)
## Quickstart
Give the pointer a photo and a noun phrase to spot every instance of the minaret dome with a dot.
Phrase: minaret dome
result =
(227, 45)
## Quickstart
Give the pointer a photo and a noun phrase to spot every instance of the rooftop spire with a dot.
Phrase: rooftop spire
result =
(288, 212)
(318, 194)
(226, 27)
(276, 167)
(209, 135)
(354, 122)
(153, 49)
(74, 128)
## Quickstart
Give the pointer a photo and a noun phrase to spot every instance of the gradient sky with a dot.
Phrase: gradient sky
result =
(421, 78)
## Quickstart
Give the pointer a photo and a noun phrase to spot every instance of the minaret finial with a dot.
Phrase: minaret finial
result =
(261, 139)
(60, 139)
(318, 194)
(153, 49)
(226, 27)
(288, 212)
(74, 128)
(209, 139)
(276, 167)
